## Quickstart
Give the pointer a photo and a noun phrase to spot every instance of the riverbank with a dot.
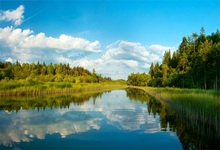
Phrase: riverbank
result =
(196, 106)
(17, 88)
(169, 95)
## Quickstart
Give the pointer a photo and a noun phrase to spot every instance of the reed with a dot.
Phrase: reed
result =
(199, 106)
(18, 88)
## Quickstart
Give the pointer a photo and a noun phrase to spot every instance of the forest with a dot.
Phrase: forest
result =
(195, 64)
(41, 72)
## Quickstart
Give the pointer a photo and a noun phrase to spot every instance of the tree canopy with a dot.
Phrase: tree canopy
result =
(195, 64)
(48, 73)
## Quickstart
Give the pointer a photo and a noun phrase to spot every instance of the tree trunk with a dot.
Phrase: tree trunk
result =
(192, 82)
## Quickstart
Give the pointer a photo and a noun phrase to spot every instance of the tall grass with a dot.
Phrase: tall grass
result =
(21, 87)
(198, 106)
(197, 115)
(204, 104)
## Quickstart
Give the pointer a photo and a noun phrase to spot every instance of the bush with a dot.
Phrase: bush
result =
(69, 79)
(59, 78)
(9, 85)
(60, 85)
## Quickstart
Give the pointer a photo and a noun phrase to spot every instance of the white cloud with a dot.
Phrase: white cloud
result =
(64, 42)
(16, 16)
(9, 59)
(159, 49)
(123, 58)
(25, 46)
(126, 51)
(13, 38)
(120, 59)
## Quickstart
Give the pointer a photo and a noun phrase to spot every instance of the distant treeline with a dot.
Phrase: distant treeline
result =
(195, 64)
(42, 72)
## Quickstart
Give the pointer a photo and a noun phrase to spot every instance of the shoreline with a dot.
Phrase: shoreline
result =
(46, 90)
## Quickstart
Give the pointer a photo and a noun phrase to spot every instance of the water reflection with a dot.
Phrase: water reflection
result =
(195, 134)
(14, 104)
(25, 119)
(116, 116)
(154, 108)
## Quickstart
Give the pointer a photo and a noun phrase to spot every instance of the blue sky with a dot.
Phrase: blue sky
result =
(114, 37)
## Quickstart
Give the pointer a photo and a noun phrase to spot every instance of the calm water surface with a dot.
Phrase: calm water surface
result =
(120, 119)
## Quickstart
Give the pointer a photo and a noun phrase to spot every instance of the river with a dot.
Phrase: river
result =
(118, 119)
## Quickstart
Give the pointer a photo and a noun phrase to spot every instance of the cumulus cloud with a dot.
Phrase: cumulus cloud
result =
(25, 39)
(120, 59)
(160, 49)
(16, 16)
(123, 50)
(126, 51)
(25, 45)
(64, 42)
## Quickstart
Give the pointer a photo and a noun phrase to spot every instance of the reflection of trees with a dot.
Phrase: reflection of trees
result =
(154, 107)
(27, 125)
(193, 133)
(52, 101)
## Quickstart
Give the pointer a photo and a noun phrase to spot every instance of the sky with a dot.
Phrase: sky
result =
(115, 37)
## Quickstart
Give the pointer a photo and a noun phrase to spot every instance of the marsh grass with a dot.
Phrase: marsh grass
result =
(198, 106)
(23, 87)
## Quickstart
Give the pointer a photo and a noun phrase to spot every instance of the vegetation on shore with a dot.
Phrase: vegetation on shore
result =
(201, 104)
(41, 72)
(40, 78)
(196, 105)
(193, 114)
(20, 87)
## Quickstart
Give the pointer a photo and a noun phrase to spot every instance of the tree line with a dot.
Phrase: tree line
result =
(195, 64)
(42, 72)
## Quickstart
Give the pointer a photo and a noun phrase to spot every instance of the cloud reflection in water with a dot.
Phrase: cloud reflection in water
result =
(114, 109)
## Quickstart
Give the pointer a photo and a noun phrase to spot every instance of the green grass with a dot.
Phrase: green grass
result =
(200, 106)
(23, 87)
(196, 111)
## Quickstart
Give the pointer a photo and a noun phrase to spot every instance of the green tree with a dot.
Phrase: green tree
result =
(194, 35)
(204, 48)
(151, 71)
(164, 72)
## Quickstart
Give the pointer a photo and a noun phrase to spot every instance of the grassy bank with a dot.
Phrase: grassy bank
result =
(198, 106)
(196, 115)
(16, 88)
